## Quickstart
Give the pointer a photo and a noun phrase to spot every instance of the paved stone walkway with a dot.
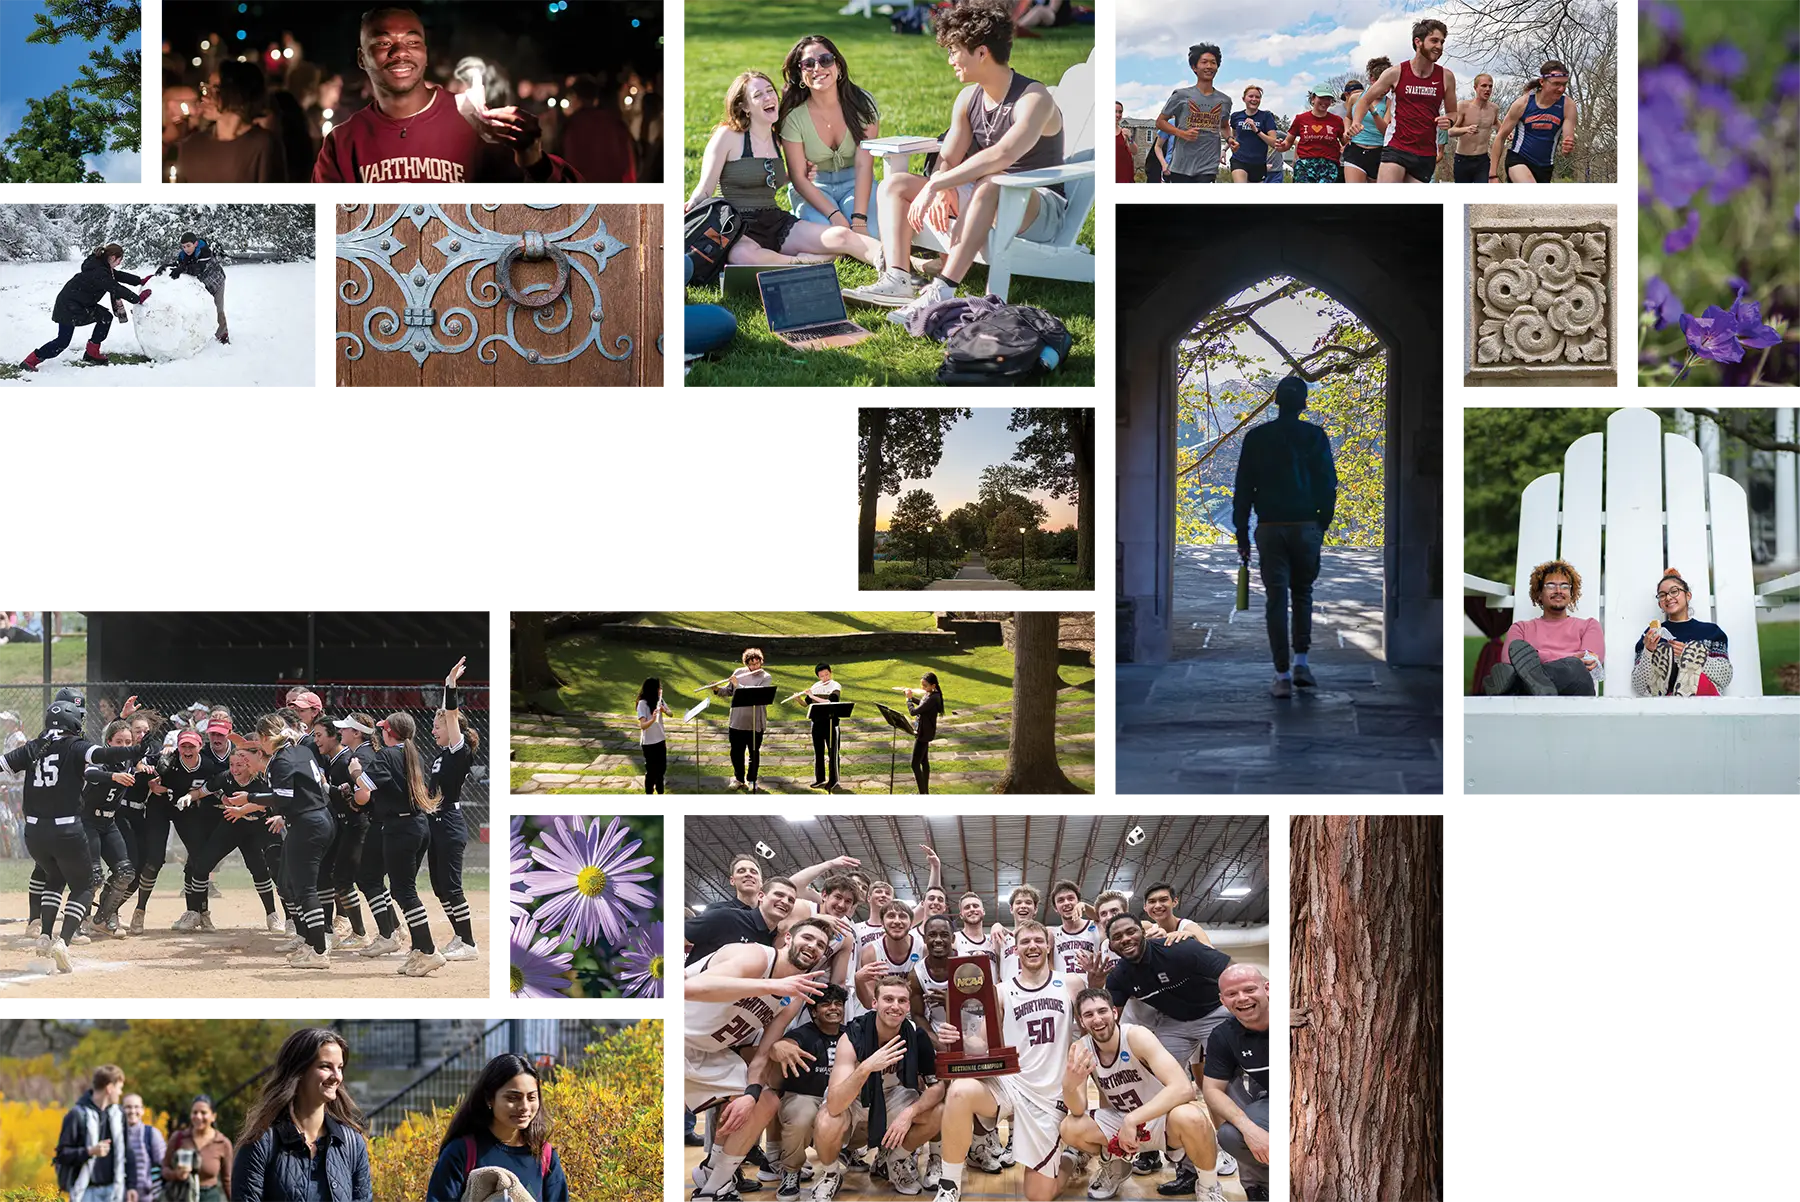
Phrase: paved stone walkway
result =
(1205, 722)
(972, 575)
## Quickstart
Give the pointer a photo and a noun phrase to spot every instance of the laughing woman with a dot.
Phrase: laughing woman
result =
(304, 1141)
(500, 1129)
(743, 163)
(824, 120)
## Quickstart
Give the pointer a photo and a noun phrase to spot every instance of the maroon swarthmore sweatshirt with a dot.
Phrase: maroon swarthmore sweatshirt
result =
(439, 147)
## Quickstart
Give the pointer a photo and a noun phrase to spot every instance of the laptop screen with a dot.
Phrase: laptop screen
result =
(802, 296)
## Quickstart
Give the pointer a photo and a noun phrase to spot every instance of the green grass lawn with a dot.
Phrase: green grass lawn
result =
(1778, 643)
(794, 623)
(23, 663)
(604, 676)
(915, 90)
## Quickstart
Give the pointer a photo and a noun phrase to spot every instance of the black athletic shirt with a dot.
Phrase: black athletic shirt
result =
(295, 780)
(448, 771)
(1233, 1049)
(823, 1048)
(53, 765)
(101, 795)
(716, 927)
(386, 770)
(177, 780)
(1179, 979)
(343, 789)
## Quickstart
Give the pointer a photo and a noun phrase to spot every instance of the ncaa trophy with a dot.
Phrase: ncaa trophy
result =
(974, 1010)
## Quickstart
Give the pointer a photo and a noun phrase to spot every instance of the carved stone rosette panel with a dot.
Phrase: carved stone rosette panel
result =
(1543, 295)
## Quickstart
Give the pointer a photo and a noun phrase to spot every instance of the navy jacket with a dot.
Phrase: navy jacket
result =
(81, 301)
(275, 1167)
(1284, 472)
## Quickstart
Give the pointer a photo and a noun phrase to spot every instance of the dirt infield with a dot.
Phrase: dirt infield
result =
(237, 960)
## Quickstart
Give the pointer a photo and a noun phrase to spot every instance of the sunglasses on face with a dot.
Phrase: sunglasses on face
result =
(818, 63)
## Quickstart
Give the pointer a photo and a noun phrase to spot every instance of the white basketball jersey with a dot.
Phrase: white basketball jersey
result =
(1038, 1023)
(1126, 1083)
(712, 1026)
(867, 933)
(1068, 947)
(937, 995)
(966, 946)
(915, 952)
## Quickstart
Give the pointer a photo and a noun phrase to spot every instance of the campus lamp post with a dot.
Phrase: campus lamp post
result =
(928, 550)
(1021, 550)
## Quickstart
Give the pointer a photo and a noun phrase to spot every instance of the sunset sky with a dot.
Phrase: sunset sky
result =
(971, 445)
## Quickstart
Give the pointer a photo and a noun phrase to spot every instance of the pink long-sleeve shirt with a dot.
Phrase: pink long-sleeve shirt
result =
(1558, 638)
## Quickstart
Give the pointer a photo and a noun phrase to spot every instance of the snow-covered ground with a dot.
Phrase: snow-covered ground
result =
(269, 307)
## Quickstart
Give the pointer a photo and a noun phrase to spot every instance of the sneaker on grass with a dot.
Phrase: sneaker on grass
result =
(893, 289)
(934, 293)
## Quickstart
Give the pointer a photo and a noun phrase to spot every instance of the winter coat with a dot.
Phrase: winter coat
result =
(203, 265)
(82, 299)
(275, 1167)
(83, 1127)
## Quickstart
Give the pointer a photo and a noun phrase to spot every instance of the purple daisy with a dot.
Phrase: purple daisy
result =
(1679, 240)
(642, 961)
(1661, 301)
(538, 969)
(588, 881)
(520, 864)
(1666, 17)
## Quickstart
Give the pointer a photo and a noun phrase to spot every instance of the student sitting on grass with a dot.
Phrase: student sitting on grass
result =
(1001, 122)
(744, 164)
(825, 118)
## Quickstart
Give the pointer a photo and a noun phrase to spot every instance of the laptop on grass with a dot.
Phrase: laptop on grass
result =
(739, 279)
(806, 310)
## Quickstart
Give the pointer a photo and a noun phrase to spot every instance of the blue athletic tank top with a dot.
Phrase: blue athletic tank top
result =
(1538, 131)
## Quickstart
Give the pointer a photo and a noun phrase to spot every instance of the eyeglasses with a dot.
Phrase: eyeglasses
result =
(1559, 587)
(1663, 593)
(818, 64)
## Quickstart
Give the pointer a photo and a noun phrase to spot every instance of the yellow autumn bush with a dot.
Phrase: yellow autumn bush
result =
(28, 1134)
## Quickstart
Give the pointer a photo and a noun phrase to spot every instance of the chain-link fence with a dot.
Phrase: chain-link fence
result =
(22, 709)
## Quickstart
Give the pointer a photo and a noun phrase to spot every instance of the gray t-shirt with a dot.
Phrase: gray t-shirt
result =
(1190, 108)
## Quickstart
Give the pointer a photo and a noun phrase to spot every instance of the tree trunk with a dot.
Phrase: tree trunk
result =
(1081, 440)
(533, 677)
(1031, 765)
(871, 491)
(1366, 960)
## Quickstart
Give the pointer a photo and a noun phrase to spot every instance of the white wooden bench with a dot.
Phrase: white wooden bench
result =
(1627, 504)
(1062, 257)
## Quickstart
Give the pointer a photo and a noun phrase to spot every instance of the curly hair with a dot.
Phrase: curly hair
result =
(1557, 566)
(976, 24)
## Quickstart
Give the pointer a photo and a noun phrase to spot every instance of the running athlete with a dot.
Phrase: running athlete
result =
(350, 827)
(457, 743)
(1474, 133)
(52, 765)
(1038, 1017)
(296, 802)
(1422, 90)
(1362, 157)
(1319, 136)
(102, 794)
(740, 1000)
(1528, 133)
(1078, 933)
(398, 831)
(1145, 1097)
(1253, 132)
(1204, 116)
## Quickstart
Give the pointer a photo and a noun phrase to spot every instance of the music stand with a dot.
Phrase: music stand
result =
(744, 698)
(831, 711)
(899, 723)
(689, 717)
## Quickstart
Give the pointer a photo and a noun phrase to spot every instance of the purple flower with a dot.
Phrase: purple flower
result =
(1666, 18)
(519, 865)
(1750, 328)
(1787, 81)
(588, 880)
(1661, 301)
(1713, 335)
(538, 969)
(642, 961)
(1679, 240)
(1725, 60)
(1734, 178)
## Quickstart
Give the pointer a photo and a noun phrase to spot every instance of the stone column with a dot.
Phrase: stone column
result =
(1146, 494)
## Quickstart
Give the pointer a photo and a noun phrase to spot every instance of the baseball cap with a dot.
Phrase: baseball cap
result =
(353, 724)
(301, 699)
(222, 725)
(1325, 91)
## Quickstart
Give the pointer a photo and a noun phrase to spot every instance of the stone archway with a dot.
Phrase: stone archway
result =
(1384, 263)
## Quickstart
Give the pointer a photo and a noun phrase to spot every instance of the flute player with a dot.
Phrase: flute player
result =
(747, 723)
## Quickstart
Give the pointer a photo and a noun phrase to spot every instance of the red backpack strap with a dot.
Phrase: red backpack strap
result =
(544, 1159)
(468, 1155)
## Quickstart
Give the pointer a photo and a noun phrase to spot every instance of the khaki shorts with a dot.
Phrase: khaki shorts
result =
(1051, 207)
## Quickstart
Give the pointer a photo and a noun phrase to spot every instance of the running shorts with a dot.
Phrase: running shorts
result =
(1472, 168)
(1420, 166)
(1539, 171)
(1254, 171)
(1035, 1123)
(713, 1075)
(1368, 158)
(1111, 1120)
(1315, 171)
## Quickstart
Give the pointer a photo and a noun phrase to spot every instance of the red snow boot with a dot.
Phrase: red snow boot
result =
(31, 362)
(94, 354)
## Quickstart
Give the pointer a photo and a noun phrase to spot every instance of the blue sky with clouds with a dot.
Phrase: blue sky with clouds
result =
(1284, 46)
(33, 71)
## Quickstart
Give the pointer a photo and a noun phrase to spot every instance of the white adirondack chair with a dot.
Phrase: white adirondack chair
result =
(1627, 504)
(1062, 257)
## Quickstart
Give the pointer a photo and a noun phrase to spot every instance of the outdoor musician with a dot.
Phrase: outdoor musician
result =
(925, 704)
(748, 723)
(824, 730)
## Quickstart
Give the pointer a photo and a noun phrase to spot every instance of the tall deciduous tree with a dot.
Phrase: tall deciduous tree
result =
(1366, 963)
(534, 680)
(916, 510)
(1058, 451)
(1031, 763)
(893, 445)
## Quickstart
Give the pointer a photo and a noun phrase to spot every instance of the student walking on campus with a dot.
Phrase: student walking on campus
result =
(90, 1151)
(498, 1141)
(303, 1140)
(1285, 474)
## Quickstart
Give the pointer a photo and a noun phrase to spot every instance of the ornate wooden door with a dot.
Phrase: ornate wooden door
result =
(482, 295)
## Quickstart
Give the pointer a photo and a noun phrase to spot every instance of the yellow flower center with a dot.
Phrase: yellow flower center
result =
(591, 881)
(656, 967)
(518, 980)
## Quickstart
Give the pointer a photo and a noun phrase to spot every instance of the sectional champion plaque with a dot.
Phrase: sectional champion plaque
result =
(974, 1009)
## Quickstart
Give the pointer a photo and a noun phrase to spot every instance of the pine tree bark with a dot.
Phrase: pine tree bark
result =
(1366, 962)
(1031, 765)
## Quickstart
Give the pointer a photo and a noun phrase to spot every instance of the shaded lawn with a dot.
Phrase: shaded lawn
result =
(794, 623)
(915, 89)
(23, 663)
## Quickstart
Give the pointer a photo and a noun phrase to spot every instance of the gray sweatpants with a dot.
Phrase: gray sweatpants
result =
(218, 295)
(1569, 675)
(1251, 1171)
(1289, 557)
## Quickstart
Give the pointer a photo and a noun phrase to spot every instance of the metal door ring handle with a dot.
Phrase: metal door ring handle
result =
(531, 248)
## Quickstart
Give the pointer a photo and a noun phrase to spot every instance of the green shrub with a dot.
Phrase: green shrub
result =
(894, 580)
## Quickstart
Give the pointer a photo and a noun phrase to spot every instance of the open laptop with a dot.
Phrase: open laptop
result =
(739, 279)
(806, 310)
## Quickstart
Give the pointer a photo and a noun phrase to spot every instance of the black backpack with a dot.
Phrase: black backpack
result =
(1002, 347)
(711, 230)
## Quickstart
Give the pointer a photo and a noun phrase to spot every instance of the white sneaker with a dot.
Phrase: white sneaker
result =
(891, 291)
(936, 292)
(1227, 1164)
(42, 946)
(137, 922)
(420, 964)
(384, 945)
(947, 1193)
(984, 1155)
(305, 957)
(189, 921)
(349, 943)
(934, 1170)
(289, 944)
(826, 1187)
(903, 1173)
(277, 926)
(206, 921)
(1107, 1179)
(456, 949)
(1210, 1193)
(59, 952)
